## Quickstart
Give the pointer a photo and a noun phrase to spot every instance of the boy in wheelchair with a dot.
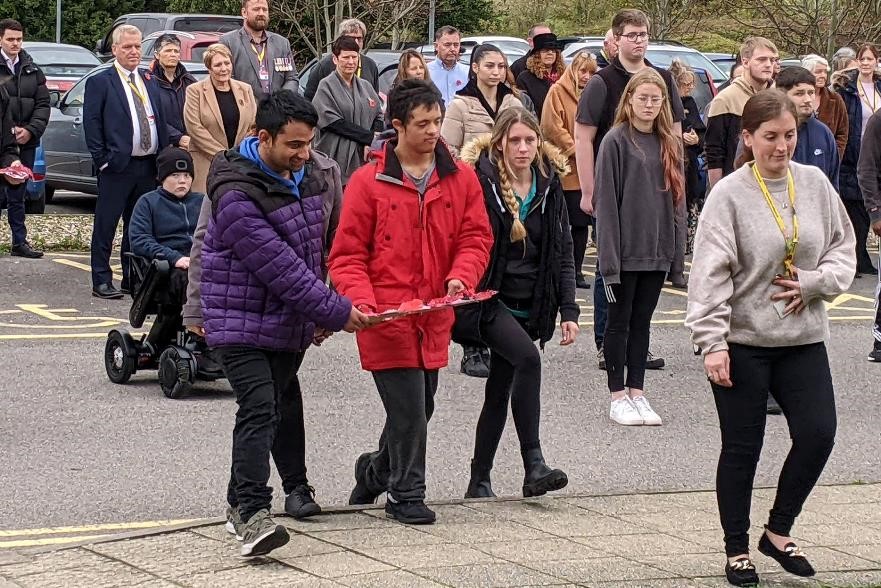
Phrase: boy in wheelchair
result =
(164, 220)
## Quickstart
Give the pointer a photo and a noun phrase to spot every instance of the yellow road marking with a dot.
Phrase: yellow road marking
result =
(116, 269)
(50, 541)
(77, 255)
(93, 528)
(61, 336)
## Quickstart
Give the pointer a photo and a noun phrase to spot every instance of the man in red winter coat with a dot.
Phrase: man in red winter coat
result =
(413, 226)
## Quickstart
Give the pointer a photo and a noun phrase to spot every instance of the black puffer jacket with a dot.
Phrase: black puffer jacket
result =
(555, 283)
(28, 96)
(172, 97)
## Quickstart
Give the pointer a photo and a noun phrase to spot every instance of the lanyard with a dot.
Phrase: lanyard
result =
(791, 243)
(135, 90)
(262, 53)
(861, 90)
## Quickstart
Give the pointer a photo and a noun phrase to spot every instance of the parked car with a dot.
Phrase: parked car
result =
(68, 161)
(35, 196)
(192, 45)
(661, 54)
(62, 64)
(512, 51)
(723, 60)
(150, 22)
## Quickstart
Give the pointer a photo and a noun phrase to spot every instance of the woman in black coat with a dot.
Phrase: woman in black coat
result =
(544, 66)
(532, 269)
(693, 131)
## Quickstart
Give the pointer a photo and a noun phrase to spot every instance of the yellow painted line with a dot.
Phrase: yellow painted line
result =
(49, 541)
(76, 255)
(75, 264)
(85, 529)
(61, 336)
(79, 325)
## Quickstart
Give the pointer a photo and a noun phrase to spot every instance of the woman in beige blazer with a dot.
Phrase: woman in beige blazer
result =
(219, 112)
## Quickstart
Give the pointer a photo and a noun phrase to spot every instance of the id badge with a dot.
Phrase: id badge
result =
(264, 75)
(780, 307)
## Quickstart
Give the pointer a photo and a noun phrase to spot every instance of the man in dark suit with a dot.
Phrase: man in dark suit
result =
(124, 130)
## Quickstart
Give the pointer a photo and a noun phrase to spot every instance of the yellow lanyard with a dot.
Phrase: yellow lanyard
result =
(262, 52)
(134, 87)
(791, 242)
(861, 90)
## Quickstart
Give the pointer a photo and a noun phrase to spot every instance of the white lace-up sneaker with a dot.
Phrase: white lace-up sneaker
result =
(624, 412)
(649, 416)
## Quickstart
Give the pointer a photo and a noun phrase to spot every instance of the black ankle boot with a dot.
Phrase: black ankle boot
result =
(479, 485)
(539, 478)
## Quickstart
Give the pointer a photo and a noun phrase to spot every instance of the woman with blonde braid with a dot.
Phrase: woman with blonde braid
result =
(531, 268)
(640, 211)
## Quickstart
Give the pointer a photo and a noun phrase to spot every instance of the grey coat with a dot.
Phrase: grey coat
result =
(347, 117)
(318, 164)
(245, 68)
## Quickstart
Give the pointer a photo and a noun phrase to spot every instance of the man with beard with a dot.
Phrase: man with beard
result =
(261, 58)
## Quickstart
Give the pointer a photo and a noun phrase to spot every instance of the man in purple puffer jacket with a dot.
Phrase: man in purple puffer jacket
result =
(264, 301)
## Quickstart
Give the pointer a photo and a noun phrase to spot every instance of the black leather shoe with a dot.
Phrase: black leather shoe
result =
(581, 283)
(301, 502)
(479, 486)
(742, 572)
(539, 478)
(124, 287)
(361, 493)
(410, 512)
(106, 291)
(791, 558)
(474, 363)
(25, 250)
(654, 363)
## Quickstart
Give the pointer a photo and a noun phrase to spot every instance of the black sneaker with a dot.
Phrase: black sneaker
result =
(301, 502)
(25, 250)
(742, 572)
(654, 363)
(361, 493)
(581, 282)
(875, 354)
(474, 364)
(601, 358)
(410, 512)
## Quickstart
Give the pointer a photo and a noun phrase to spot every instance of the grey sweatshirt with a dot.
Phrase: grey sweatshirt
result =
(739, 249)
(638, 226)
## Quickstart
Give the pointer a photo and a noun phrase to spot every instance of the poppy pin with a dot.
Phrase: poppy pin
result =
(371, 102)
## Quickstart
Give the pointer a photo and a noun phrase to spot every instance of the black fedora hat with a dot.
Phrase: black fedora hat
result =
(545, 41)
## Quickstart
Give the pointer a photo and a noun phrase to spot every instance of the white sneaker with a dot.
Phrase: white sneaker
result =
(624, 412)
(649, 416)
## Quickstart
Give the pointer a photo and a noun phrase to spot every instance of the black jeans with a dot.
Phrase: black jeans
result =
(117, 194)
(626, 343)
(515, 375)
(859, 218)
(15, 195)
(398, 467)
(800, 381)
(580, 227)
(269, 421)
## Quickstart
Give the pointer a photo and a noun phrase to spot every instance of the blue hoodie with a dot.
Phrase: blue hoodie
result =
(162, 225)
(816, 146)
(248, 149)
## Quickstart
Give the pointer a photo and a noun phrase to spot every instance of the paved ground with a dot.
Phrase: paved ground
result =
(67, 202)
(658, 541)
(78, 450)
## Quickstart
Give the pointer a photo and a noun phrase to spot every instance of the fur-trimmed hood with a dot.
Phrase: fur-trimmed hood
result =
(471, 152)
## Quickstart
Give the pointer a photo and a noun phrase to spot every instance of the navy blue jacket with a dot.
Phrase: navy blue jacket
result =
(107, 120)
(172, 96)
(816, 146)
(162, 225)
(847, 88)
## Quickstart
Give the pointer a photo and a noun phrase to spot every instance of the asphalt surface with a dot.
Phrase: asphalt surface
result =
(77, 449)
(67, 202)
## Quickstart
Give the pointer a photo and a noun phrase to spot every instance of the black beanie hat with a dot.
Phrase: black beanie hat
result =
(172, 160)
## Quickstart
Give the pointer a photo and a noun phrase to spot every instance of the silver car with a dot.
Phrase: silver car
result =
(68, 161)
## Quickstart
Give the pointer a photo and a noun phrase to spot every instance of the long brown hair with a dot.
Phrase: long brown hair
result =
(760, 108)
(507, 119)
(671, 145)
(540, 70)
(404, 63)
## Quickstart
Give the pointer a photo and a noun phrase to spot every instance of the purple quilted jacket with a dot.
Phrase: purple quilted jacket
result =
(262, 272)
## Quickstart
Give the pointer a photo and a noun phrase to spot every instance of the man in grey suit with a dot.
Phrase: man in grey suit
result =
(261, 58)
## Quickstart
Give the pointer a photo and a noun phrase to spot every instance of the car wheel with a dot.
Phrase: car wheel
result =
(36, 205)
(50, 193)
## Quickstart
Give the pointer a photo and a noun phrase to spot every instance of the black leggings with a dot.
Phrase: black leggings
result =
(626, 342)
(859, 218)
(800, 381)
(515, 374)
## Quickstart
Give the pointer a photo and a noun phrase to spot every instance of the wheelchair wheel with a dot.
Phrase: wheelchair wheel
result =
(119, 360)
(177, 372)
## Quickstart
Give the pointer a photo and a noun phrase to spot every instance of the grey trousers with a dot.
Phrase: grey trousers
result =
(398, 467)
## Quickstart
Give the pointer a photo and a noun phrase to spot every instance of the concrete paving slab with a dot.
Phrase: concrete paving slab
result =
(847, 534)
(490, 576)
(430, 556)
(264, 575)
(532, 550)
(368, 538)
(601, 570)
(485, 532)
(392, 579)
(645, 545)
(336, 565)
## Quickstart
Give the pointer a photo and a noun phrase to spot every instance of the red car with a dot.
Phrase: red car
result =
(63, 65)
(192, 45)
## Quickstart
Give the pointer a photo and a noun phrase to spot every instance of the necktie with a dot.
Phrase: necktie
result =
(143, 121)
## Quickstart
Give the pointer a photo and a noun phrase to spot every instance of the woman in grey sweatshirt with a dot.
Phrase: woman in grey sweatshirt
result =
(639, 201)
(774, 242)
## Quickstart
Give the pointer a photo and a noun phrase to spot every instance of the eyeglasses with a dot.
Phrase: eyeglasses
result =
(652, 100)
(636, 37)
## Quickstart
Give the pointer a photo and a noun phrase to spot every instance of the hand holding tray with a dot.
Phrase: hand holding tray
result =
(415, 307)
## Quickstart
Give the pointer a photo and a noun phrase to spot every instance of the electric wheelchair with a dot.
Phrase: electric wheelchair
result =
(180, 356)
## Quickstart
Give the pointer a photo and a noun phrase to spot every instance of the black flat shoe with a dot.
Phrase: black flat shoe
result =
(742, 572)
(106, 291)
(791, 558)
(25, 250)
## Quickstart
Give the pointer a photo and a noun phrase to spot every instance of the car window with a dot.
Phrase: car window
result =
(207, 25)
(63, 62)
(386, 78)
(147, 47)
(304, 75)
(197, 52)
(146, 25)
(74, 96)
(663, 58)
